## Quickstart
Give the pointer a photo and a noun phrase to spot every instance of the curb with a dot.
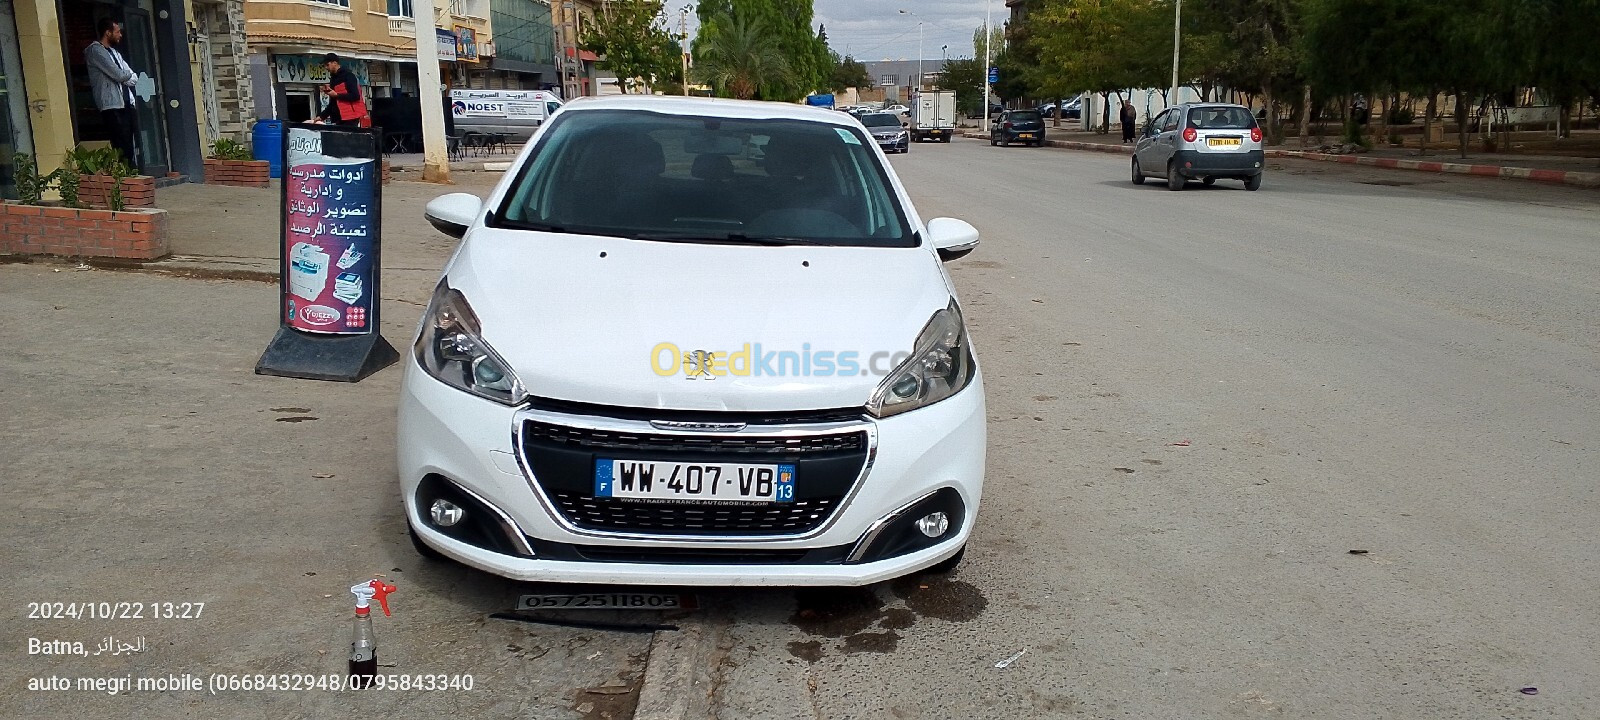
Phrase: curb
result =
(500, 166)
(1562, 177)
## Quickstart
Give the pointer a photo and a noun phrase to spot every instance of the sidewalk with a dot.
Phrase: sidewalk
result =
(495, 162)
(1566, 170)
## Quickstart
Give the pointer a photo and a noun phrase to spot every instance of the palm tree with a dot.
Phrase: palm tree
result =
(741, 60)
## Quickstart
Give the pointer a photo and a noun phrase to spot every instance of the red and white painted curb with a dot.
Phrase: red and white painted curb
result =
(1563, 177)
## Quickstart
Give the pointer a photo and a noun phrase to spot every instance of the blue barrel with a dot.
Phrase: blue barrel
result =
(266, 141)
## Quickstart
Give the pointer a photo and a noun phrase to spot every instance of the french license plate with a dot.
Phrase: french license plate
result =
(670, 482)
(1223, 142)
(1025, 136)
(608, 601)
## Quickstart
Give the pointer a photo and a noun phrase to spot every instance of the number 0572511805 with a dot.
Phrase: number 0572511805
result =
(608, 601)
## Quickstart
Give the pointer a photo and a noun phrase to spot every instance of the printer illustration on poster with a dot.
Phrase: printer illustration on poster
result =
(330, 208)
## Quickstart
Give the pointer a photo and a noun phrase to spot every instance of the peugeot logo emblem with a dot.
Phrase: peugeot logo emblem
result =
(703, 427)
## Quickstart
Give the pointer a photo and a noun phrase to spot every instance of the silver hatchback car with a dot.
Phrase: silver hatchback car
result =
(1200, 141)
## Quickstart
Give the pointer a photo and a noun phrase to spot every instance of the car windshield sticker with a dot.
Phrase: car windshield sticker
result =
(848, 136)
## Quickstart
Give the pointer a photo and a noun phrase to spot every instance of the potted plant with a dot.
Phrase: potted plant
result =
(230, 164)
(103, 173)
(33, 225)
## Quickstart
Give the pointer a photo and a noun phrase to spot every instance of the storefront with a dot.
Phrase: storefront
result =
(14, 129)
(299, 77)
(155, 44)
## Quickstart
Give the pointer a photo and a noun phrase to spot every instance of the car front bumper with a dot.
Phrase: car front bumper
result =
(894, 145)
(1196, 164)
(473, 444)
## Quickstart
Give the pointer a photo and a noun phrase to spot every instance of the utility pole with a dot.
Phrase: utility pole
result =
(988, 57)
(430, 93)
(918, 90)
(683, 45)
(1177, 30)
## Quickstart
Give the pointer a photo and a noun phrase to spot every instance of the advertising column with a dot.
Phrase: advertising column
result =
(330, 229)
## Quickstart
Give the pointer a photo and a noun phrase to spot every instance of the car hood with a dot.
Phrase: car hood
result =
(578, 317)
(885, 131)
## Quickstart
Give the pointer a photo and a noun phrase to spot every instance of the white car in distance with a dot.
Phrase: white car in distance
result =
(694, 342)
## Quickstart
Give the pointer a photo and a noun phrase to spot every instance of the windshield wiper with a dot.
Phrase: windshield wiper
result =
(731, 238)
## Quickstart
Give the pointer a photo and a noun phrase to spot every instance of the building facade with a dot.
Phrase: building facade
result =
(47, 108)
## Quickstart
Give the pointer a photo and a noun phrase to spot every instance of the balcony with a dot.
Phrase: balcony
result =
(402, 27)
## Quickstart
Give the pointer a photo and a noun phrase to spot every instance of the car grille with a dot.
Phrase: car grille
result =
(722, 444)
(562, 460)
(693, 518)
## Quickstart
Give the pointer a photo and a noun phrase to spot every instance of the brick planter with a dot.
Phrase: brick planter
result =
(138, 191)
(68, 232)
(241, 173)
(388, 173)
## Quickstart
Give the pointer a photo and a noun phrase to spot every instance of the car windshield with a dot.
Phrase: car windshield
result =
(1025, 116)
(880, 120)
(1228, 118)
(687, 178)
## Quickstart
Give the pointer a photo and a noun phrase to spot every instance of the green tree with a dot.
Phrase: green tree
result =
(848, 73)
(740, 61)
(965, 77)
(632, 40)
(784, 27)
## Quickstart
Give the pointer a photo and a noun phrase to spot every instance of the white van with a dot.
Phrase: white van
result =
(516, 113)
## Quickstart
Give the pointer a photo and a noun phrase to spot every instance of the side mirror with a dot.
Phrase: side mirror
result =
(952, 238)
(452, 214)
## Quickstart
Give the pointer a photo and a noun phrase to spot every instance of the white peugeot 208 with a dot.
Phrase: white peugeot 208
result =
(694, 342)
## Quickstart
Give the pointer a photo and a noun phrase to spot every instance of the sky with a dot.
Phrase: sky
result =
(876, 30)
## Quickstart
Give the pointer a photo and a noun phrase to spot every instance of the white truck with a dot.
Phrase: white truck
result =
(933, 116)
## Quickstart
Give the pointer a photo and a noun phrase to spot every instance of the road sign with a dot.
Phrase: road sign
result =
(994, 75)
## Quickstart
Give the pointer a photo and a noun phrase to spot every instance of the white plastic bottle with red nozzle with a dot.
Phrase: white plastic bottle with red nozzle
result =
(363, 645)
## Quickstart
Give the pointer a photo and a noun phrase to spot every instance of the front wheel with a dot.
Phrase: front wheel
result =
(1174, 180)
(1138, 175)
(1252, 183)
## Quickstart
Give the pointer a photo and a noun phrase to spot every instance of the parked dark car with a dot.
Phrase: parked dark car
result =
(1024, 126)
(888, 130)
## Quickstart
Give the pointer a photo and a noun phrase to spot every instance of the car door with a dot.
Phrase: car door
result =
(1165, 144)
(1144, 144)
(995, 127)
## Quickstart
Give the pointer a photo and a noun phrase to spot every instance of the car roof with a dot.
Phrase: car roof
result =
(1215, 105)
(708, 107)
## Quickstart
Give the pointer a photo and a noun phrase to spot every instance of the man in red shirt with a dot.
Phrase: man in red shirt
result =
(345, 106)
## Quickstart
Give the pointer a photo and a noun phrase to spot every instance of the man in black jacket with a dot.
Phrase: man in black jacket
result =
(345, 105)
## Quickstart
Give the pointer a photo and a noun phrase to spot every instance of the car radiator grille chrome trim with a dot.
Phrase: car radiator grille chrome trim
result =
(755, 439)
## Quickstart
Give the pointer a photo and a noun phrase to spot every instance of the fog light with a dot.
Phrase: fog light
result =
(445, 513)
(934, 524)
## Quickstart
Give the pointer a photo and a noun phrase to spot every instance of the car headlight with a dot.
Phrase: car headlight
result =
(940, 365)
(451, 348)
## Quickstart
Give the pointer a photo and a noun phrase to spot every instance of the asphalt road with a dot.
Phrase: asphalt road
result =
(1326, 450)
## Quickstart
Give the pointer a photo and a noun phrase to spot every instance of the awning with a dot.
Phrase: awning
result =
(584, 55)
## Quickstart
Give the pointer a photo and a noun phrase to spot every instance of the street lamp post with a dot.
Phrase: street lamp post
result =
(988, 35)
(1177, 25)
(919, 49)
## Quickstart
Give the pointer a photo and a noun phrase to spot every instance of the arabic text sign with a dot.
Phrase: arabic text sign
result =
(309, 69)
(330, 237)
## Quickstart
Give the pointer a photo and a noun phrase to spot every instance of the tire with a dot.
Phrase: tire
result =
(1208, 182)
(945, 139)
(1174, 180)
(423, 548)
(1138, 175)
(1005, 142)
(1253, 182)
(993, 142)
(948, 564)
